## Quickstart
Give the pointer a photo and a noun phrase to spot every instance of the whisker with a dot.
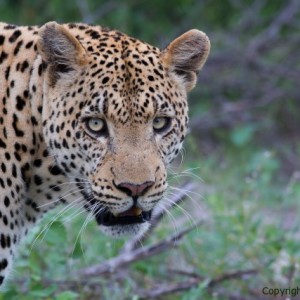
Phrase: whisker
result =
(67, 193)
(54, 218)
(162, 207)
(61, 184)
(174, 190)
(187, 192)
(184, 211)
(88, 219)
(187, 172)
(80, 210)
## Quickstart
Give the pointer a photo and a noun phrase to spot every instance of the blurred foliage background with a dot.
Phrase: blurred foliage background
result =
(244, 144)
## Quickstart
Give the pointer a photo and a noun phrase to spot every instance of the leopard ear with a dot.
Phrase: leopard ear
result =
(60, 50)
(186, 55)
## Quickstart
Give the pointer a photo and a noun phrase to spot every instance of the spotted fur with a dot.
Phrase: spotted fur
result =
(56, 77)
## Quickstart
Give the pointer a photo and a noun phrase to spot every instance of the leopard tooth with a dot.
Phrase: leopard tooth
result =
(137, 211)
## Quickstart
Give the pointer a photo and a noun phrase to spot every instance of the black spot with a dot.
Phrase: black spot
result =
(37, 180)
(3, 167)
(18, 132)
(3, 264)
(34, 121)
(17, 156)
(3, 56)
(105, 80)
(14, 36)
(20, 103)
(3, 241)
(158, 73)
(68, 133)
(94, 35)
(45, 153)
(65, 144)
(55, 170)
(2, 38)
(37, 163)
(2, 144)
(14, 171)
(40, 70)
(9, 182)
(29, 45)
(10, 26)
(7, 71)
(6, 201)
(24, 66)
(17, 49)
(55, 188)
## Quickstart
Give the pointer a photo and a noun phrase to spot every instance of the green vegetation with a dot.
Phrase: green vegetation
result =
(244, 144)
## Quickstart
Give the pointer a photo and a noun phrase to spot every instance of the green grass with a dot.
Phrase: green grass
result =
(250, 211)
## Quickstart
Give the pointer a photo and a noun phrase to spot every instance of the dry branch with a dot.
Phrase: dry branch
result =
(272, 31)
(168, 288)
(114, 264)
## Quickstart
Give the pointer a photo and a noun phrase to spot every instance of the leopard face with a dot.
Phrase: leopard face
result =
(115, 116)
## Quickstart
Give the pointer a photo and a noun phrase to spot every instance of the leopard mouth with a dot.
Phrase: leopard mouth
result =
(133, 215)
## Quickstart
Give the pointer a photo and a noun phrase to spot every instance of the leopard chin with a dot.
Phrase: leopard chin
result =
(119, 231)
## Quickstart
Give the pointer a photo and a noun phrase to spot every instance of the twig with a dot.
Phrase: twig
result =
(165, 289)
(230, 276)
(272, 31)
(123, 259)
(185, 273)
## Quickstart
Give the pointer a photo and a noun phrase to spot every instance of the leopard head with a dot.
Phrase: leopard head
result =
(115, 115)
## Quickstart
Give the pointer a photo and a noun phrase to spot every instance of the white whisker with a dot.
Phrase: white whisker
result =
(67, 193)
(55, 217)
(184, 211)
(87, 220)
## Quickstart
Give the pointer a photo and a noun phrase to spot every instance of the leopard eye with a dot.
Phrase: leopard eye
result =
(96, 126)
(161, 124)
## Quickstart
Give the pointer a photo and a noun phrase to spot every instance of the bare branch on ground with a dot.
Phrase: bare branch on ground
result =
(168, 288)
(124, 259)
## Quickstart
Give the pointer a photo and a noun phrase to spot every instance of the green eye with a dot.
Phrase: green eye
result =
(96, 126)
(161, 124)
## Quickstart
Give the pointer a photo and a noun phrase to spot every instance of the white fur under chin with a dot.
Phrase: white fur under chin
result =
(125, 230)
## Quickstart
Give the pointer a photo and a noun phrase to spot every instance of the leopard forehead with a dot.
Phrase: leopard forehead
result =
(124, 79)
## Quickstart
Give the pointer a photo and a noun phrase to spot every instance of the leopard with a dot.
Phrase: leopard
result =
(89, 117)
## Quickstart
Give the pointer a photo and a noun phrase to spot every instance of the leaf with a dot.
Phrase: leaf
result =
(41, 292)
(57, 234)
(68, 295)
(240, 136)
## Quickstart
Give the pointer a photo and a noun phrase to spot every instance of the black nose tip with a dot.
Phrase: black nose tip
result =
(135, 190)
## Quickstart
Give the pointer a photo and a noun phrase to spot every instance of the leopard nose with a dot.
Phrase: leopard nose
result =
(135, 190)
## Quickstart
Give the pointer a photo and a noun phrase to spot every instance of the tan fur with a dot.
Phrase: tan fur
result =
(55, 79)
(188, 53)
